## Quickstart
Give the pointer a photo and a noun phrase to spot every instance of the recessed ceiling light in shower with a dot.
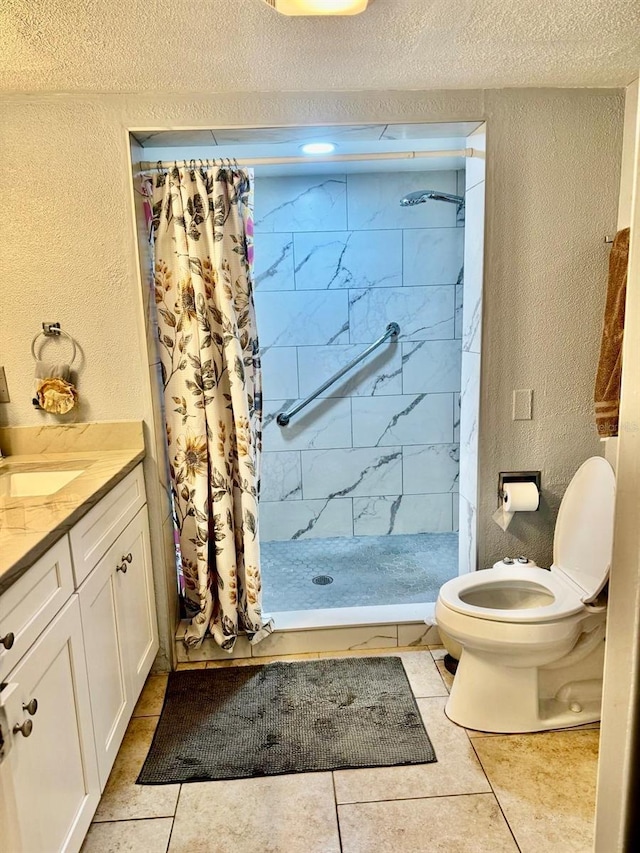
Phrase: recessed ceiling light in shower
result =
(318, 7)
(318, 148)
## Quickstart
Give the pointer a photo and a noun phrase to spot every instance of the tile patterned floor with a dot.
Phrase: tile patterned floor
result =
(366, 570)
(486, 793)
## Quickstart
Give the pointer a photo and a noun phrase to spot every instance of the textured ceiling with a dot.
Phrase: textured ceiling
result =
(185, 46)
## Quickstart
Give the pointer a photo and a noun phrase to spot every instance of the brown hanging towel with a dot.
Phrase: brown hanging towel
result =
(607, 393)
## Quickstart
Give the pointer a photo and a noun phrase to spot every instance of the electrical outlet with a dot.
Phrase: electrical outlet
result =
(522, 404)
(4, 388)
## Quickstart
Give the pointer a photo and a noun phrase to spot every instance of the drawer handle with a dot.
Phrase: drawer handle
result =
(8, 640)
(31, 706)
(128, 558)
(25, 729)
(122, 568)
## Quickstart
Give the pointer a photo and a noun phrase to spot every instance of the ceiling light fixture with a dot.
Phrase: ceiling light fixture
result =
(318, 7)
(318, 148)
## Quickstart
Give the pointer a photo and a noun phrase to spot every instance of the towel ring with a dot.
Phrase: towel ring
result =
(54, 333)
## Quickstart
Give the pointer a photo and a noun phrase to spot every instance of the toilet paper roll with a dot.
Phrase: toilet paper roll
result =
(517, 497)
(521, 497)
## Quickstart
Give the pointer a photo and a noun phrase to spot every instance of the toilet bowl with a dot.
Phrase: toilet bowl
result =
(530, 641)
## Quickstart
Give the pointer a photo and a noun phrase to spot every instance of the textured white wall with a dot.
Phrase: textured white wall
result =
(552, 188)
(552, 184)
(67, 254)
(242, 45)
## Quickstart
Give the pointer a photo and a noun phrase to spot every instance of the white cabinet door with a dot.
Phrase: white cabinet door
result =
(121, 635)
(136, 603)
(51, 773)
(104, 649)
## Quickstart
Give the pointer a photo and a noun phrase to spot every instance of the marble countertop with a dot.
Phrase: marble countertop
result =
(29, 526)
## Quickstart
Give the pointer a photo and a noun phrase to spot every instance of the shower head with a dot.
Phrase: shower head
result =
(421, 196)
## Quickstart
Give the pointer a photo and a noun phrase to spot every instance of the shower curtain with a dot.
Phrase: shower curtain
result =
(203, 244)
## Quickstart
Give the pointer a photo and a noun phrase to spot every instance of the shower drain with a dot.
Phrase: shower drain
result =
(322, 580)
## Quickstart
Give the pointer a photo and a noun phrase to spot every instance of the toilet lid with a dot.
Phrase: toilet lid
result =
(583, 538)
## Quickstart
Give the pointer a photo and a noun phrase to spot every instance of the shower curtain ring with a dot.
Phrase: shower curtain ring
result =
(192, 165)
(159, 167)
(235, 163)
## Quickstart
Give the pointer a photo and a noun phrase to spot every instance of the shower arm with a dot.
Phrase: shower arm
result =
(392, 331)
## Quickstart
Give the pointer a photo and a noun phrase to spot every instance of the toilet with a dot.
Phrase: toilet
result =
(530, 641)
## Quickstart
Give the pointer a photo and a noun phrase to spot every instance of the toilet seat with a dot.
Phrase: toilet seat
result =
(581, 558)
(530, 584)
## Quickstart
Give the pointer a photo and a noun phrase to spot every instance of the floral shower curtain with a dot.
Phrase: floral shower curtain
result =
(203, 245)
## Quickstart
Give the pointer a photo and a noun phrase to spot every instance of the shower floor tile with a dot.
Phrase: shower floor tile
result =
(365, 570)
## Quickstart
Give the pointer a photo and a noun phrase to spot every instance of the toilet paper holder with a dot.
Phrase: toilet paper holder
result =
(505, 477)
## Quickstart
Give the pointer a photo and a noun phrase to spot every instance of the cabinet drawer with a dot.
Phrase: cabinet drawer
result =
(93, 535)
(28, 606)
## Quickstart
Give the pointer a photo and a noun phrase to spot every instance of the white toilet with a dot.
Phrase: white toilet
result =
(530, 641)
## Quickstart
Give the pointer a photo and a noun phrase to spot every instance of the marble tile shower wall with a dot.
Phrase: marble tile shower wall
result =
(337, 259)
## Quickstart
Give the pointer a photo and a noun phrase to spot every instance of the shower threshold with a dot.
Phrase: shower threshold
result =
(340, 630)
(350, 617)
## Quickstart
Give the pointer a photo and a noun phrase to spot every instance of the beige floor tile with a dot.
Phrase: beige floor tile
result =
(196, 664)
(445, 674)
(277, 814)
(474, 733)
(546, 786)
(437, 652)
(418, 664)
(457, 770)
(129, 836)
(423, 675)
(122, 798)
(152, 696)
(467, 824)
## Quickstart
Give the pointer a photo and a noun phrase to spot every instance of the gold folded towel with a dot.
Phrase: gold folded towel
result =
(54, 391)
(609, 375)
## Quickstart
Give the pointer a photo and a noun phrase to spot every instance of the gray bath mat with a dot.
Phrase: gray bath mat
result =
(238, 722)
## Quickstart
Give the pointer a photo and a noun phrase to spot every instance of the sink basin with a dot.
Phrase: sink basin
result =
(30, 484)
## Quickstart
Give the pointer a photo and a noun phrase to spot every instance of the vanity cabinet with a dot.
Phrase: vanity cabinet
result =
(54, 789)
(119, 623)
(80, 636)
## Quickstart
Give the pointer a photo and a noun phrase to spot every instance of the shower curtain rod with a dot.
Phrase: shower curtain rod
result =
(338, 158)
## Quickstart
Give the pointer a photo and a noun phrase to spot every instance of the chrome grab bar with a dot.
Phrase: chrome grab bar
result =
(392, 331)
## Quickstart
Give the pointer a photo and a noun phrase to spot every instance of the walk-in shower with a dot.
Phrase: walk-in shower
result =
(359, 306)
(358, 290)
